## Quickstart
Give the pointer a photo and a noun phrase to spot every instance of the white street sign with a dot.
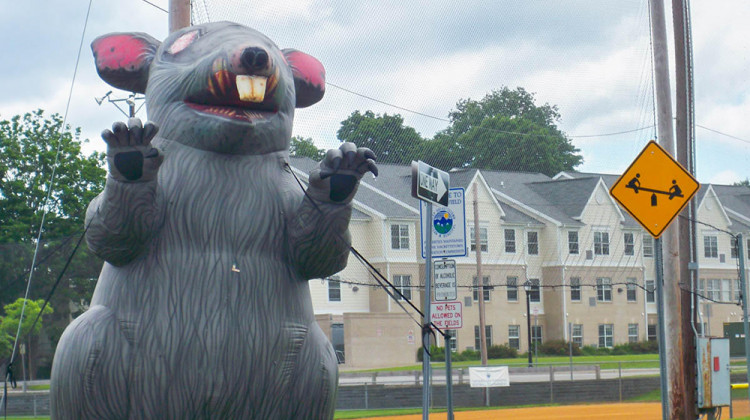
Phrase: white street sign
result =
(445, 280)
(448, 227)
(429, 183)
(447, 315)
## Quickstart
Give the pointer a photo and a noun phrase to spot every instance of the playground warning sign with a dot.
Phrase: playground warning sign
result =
(654, 189)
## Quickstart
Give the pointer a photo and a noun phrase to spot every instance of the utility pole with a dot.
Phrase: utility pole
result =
(179, 14)
(672, 303)
(685, 146)
(480, 282)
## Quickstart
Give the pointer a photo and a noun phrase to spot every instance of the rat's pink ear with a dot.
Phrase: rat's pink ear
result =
(123, 59)
(309, 77)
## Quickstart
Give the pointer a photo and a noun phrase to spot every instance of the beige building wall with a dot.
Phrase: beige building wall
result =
(377, 340)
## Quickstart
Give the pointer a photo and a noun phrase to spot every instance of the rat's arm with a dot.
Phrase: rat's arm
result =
(125, 215)
(319, 230)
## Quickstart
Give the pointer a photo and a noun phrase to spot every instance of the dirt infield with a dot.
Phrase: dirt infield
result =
(641, 411)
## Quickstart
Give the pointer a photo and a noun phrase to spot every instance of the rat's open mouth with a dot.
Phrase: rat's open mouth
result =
(239, 97)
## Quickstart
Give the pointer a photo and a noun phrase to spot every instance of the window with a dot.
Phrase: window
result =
(631, 289)
(573, 242)
(514, 337)
(726, 290)
(650, 291)
(485, 288)
(536, 335)
(477, 338)
(629, 244)
(748, 248)
(532, 243)
(400, 236)
(601, 243)
(713, 290)
(606, 335)
(651, 332)
(512, 288)
(510, 241)
(577, 334)
(604, 289)
(733, 250)
(334, 289)
(482, 239)
(575, 289)
(648, 246)
(710, 246)
(453, 340)
(632, 333)
(534, 295)
(403, 285)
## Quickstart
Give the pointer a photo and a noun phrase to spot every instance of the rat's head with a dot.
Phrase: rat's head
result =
(219, 87)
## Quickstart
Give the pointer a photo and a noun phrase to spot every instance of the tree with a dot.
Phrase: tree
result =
(28, 331)
(28, 146)
(744, 183)
(506, 130)
(386, 135)
(304, 147)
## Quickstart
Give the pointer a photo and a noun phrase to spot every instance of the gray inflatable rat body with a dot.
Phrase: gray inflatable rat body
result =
(202, 309)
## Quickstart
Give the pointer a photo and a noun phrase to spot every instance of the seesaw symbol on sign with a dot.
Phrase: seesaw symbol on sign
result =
(674, 190)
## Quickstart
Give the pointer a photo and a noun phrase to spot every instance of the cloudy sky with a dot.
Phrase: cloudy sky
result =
(591, 58)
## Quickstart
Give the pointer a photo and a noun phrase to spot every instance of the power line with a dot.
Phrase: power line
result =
(157, 6)
(723, 134)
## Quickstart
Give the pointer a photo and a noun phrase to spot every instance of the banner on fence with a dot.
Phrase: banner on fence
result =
(488, 377)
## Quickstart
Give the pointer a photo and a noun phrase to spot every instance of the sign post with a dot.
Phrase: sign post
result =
(654, 189)
(432, 186)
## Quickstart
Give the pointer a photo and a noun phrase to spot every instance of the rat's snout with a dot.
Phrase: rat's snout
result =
(254, 59)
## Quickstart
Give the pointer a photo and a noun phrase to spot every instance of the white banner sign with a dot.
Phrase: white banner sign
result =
(489, 377)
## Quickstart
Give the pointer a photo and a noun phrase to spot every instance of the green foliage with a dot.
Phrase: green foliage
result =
(558, 348)
(386, 135)
(501, 352)
(12, 315)
(506, 130)
(304, 147)
(744, 183)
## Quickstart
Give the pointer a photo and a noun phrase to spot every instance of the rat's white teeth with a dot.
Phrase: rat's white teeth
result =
(251, 88)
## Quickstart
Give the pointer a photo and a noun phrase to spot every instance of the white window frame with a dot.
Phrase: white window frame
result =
(601, 242)
(483, 239)
(710, 246)
(512, 288)
(575, 289)
(629, 244)
(648, 246)
(535, 294)
(399, 236)
(633, 333)
(510, 242)
(631, 289)
(402, 282)
(486, 289)
(650, 286)
(606, 335)
(576, 334)
(532, 246)
(452, 340)
(573, 244)
(604, 289)
(334, 288)
(514, 336)
(478, 339)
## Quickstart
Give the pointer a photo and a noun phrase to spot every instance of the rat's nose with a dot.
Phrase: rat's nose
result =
(254, 58)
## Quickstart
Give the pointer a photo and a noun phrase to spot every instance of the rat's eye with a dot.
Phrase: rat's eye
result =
(182, 42)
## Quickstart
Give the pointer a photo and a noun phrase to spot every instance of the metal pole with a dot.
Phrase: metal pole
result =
(536, 341)
(570, 348)
(743, 285)
(671, 256)
(179, 14)
(480, 279)
(527, 287)
(448, 374)
(662, 332)
(427, 318)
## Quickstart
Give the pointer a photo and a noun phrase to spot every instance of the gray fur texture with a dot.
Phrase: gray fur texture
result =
(202, 309)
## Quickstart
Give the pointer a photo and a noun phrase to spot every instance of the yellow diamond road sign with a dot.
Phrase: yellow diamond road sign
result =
(654, 189)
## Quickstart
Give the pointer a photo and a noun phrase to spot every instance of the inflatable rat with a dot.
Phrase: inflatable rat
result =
(202, 309)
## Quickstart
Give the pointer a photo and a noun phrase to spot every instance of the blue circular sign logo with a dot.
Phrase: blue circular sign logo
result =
(443, 221)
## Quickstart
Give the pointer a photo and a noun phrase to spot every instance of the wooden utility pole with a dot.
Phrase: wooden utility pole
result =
(179, 14)
(684, 130)
(672, 303)
(480, 282)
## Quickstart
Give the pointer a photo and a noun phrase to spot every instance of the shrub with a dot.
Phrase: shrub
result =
(558, 348)
(437, 354)
(501, 352)
(589, 350)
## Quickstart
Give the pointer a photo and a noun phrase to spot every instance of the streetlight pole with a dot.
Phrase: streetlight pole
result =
(527, 288)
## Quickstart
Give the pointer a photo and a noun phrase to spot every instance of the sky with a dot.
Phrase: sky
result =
(590, 58)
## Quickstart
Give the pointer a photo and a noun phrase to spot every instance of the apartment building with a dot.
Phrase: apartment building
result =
(589, 265)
